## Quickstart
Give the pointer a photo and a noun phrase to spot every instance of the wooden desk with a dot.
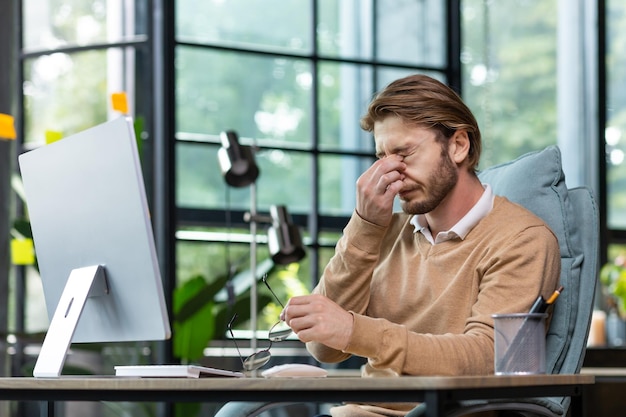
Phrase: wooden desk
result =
(435, 391)
(605, 398)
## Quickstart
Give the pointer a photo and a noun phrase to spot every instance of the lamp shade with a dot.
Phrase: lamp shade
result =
(283, 237)
(236, 161)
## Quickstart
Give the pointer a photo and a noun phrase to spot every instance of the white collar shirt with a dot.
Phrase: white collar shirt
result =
(482, 207)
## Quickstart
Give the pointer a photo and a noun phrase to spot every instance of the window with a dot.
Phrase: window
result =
(614, 140)
(615, 137)
(296, 93)
(509, 57)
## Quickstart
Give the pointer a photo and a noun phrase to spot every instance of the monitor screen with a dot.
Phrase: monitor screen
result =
(89, 215)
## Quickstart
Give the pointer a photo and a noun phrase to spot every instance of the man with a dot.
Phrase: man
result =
(414, 292)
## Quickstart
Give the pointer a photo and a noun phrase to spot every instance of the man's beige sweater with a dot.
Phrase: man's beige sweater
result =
(421, 309)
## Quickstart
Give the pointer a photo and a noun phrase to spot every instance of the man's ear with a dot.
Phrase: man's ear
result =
(459, 146)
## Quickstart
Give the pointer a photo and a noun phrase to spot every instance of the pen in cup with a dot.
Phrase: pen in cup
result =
(540, 306)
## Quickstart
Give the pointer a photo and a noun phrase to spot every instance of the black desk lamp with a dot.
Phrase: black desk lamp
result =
(283, 237)
(236, 161)
(239, 169)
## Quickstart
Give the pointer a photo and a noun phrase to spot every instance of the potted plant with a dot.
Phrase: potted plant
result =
(613, 280)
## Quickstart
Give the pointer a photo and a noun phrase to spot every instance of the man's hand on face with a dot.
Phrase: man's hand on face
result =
(377, 188)
(315, 318)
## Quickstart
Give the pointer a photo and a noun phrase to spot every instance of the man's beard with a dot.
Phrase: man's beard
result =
(439, 184)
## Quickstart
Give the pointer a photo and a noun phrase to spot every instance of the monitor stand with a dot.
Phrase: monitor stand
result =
(82, 283)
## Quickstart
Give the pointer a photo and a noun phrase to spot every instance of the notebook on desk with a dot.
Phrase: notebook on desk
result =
(173, 371)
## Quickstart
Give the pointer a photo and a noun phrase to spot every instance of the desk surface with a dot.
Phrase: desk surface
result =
(289, 384)
(436, 391)
(300, 389)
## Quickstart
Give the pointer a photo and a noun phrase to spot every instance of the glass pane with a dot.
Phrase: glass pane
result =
(407, 31)
(207, 262)
(260, 97)
(338, 175)
(211, 260)
(411, 31)
(68, 93)
(344, 93)
(345, 28)
(245, 23)
(509, 74)
(199, 182)
(50, 24)
(616, 114)
(285, 179)
(36, 315)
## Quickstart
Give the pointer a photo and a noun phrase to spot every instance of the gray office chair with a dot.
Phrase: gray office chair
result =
(536, 181)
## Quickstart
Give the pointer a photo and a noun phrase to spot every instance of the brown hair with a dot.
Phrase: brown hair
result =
(422, 100)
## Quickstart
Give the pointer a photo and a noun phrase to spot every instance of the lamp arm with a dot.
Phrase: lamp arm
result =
(248, 217)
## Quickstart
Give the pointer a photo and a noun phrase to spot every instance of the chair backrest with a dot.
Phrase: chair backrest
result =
(536, 181)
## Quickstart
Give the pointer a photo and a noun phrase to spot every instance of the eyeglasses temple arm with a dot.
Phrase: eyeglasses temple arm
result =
(230, 330)
(264, 279)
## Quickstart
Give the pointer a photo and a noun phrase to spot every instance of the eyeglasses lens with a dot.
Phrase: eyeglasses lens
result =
(256, 360)
(277, 333)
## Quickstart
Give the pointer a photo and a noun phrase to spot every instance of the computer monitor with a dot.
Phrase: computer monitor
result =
(93, 238)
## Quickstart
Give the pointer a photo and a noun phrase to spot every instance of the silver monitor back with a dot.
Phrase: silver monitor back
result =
(87, 206)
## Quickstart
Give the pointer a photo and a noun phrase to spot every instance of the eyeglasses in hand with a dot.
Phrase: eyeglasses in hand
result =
(277, 333)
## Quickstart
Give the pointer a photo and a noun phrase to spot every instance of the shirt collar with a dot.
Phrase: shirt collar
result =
(482, 207)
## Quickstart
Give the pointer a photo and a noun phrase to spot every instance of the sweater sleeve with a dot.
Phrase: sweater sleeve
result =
(515, 272)
(348, 274)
